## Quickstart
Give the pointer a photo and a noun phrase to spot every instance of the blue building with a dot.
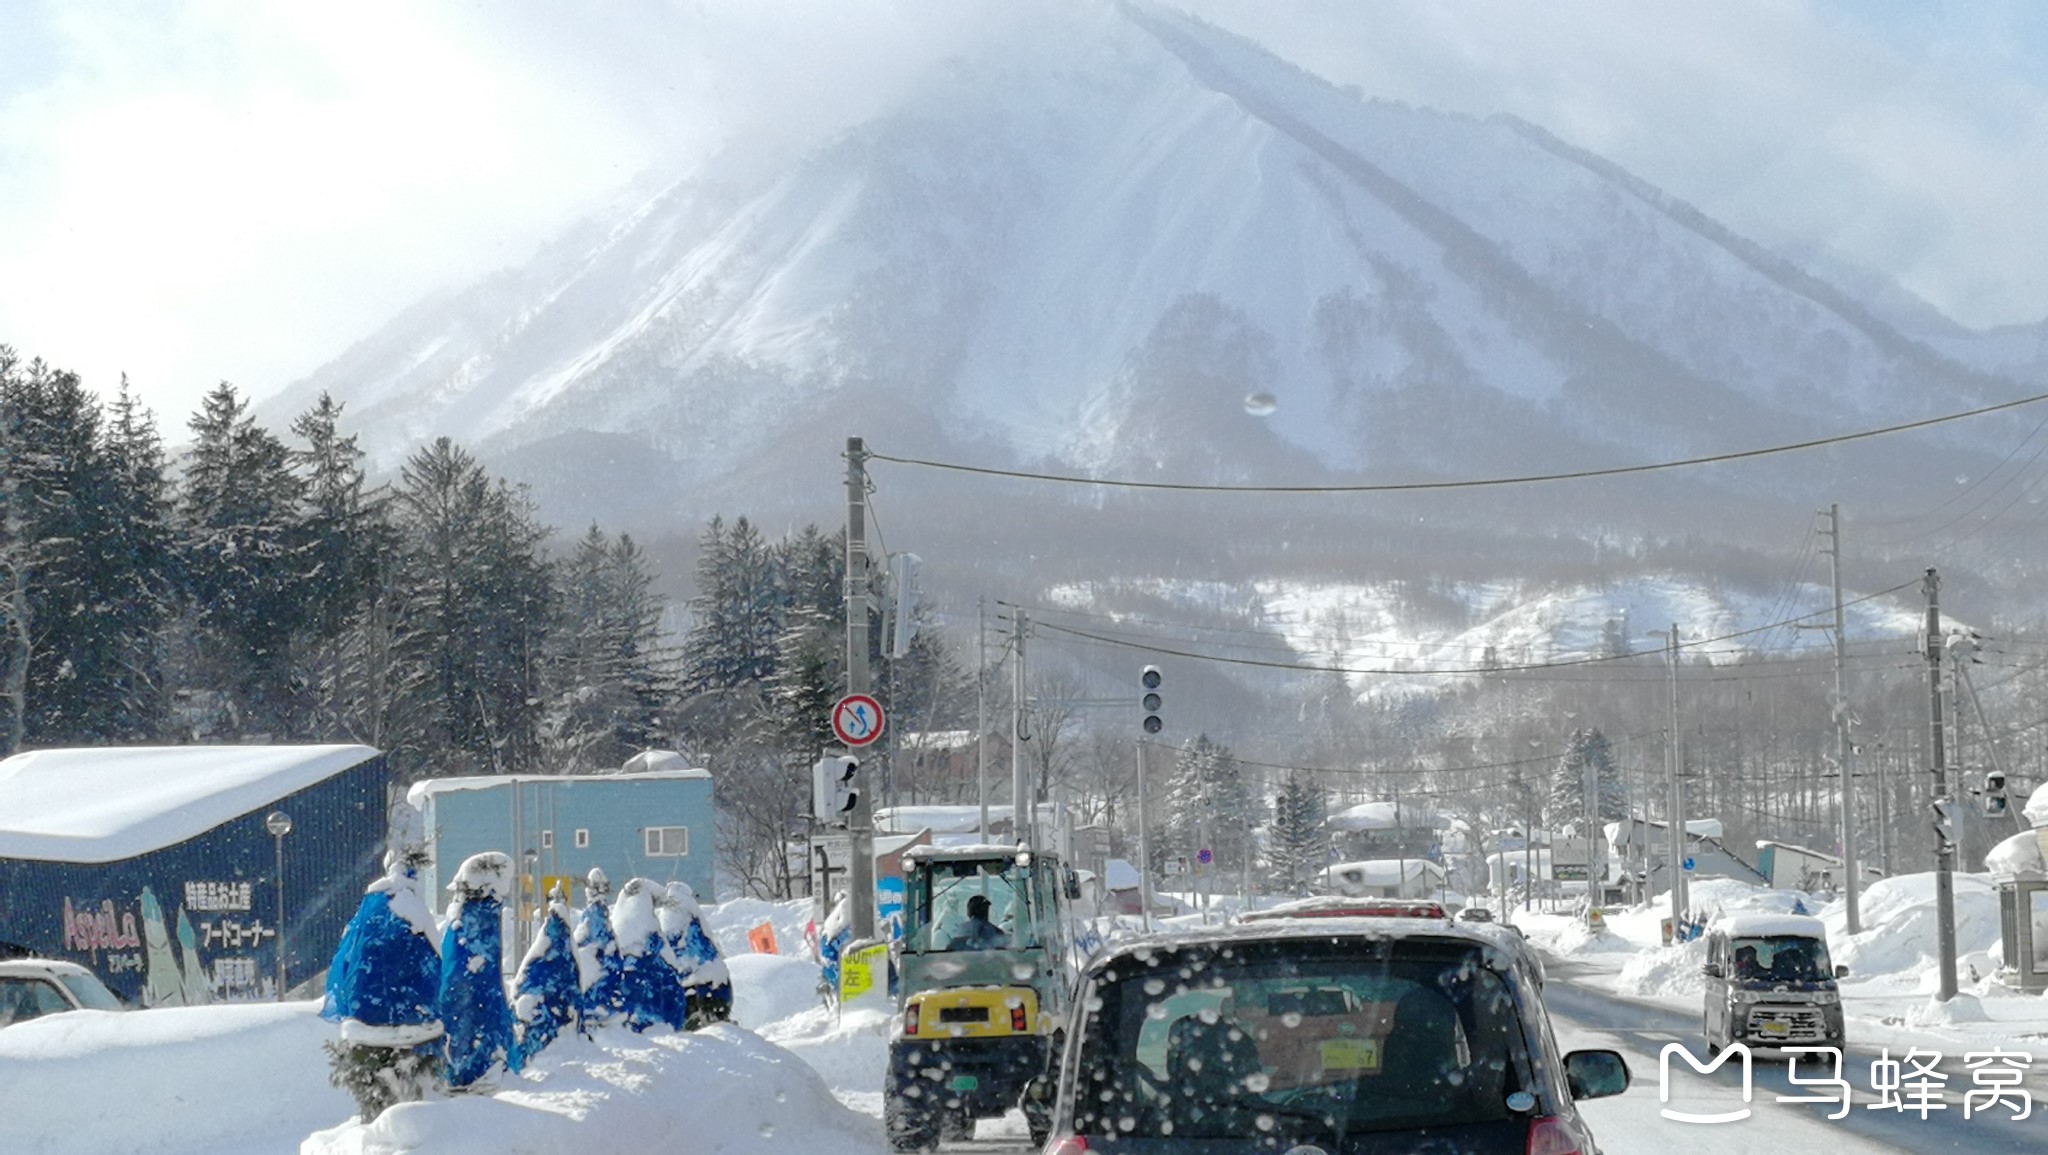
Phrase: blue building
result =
(656, 823)
(153, 867)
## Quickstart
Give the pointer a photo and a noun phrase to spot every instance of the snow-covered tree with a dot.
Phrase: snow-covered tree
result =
(478, 596)
(597, 954)
(243, 552)
(1296, 843)
(383, 987)
(1208, 797)
(547, 991)
(613, 677)
(471, 999)
(650, 981)
(698, 959)
(1566, 804)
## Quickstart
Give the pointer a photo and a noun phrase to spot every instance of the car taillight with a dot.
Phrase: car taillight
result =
(1017, 1018)
(1071, 1145)
(910, 1019)
(1550, 1135)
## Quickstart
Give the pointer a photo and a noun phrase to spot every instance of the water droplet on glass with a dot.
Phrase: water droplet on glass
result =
(1521, 1101)
(1260, 404)
(767, 1130)
(1455, 1078)
(1264, 1122)
(1155, 986)
(1962, 479)
(1257, 1082)
(1290, 1020)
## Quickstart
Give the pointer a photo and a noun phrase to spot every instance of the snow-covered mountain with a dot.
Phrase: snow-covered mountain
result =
(1085, 247)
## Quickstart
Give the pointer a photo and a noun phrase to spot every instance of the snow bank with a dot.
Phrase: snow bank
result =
(849, 1049)
(1664, 972)
(1899, 936)
(768, 988)
(729, 922)
(721, 1087)
(213, 1080)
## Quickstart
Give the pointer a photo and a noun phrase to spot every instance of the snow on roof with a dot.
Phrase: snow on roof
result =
(1119, 874)
(937, 819)
(1767, 925)
(2019, 854)
(101, 804)
(2036, 809)
(1380, 816)
(1807, 851)
(936, 740)
(1383, 871)
(420, 791)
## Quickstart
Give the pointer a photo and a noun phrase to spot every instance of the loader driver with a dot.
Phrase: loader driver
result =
(978, 933)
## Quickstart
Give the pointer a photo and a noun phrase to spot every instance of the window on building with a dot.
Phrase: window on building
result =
(582, 839)
(667, 841)
(547, 840)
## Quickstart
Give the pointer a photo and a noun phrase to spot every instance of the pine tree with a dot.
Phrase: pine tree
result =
(477, 596)
(1209, 796)
(243, 546)
(89, 576)
(1566, 803)
(547, 990)
(736, 616)
(1296, 842)
(141, 549)
(614, 679)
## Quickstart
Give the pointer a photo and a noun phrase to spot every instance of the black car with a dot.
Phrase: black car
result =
(1356, 1037)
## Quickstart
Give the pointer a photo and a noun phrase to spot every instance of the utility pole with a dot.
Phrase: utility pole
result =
(1852, 881)
(1020, 774)
(1944, 846)
(860, 827)
(1144, 846)
(1676, 803)
(981, 712)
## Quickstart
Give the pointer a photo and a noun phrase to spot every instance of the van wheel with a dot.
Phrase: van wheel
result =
(956, 1128)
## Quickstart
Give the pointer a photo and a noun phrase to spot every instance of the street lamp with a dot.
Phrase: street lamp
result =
(279, 824)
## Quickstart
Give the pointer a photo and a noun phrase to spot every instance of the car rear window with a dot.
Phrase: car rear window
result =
(1298, 1038)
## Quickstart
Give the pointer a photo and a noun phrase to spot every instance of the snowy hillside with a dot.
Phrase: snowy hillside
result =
(1376, 626)
(1088, 244)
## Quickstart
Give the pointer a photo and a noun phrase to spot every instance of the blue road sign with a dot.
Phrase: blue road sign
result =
(1688, 864)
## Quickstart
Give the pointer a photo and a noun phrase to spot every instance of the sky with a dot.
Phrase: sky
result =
(238, 190)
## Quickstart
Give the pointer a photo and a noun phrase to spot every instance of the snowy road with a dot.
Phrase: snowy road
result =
(1586, 1016)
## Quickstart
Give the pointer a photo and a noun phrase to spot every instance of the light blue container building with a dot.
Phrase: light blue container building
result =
(655, 823)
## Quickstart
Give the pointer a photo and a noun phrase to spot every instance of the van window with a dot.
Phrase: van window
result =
(1781, 959)
(1299, 1041)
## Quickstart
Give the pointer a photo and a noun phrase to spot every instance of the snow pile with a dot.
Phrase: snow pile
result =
(729, 922)
(851, 1049)
(1664, 972)
(1899, 936)
(721, 1087)
(247, 1077)
(768, 988)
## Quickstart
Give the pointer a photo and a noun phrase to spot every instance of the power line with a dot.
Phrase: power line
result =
(1467, 483)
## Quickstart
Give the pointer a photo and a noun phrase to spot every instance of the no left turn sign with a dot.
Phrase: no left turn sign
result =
(857, 720)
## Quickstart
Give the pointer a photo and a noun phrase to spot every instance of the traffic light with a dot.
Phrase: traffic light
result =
(1994, 794)
(1150, 721)
(833, 790)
